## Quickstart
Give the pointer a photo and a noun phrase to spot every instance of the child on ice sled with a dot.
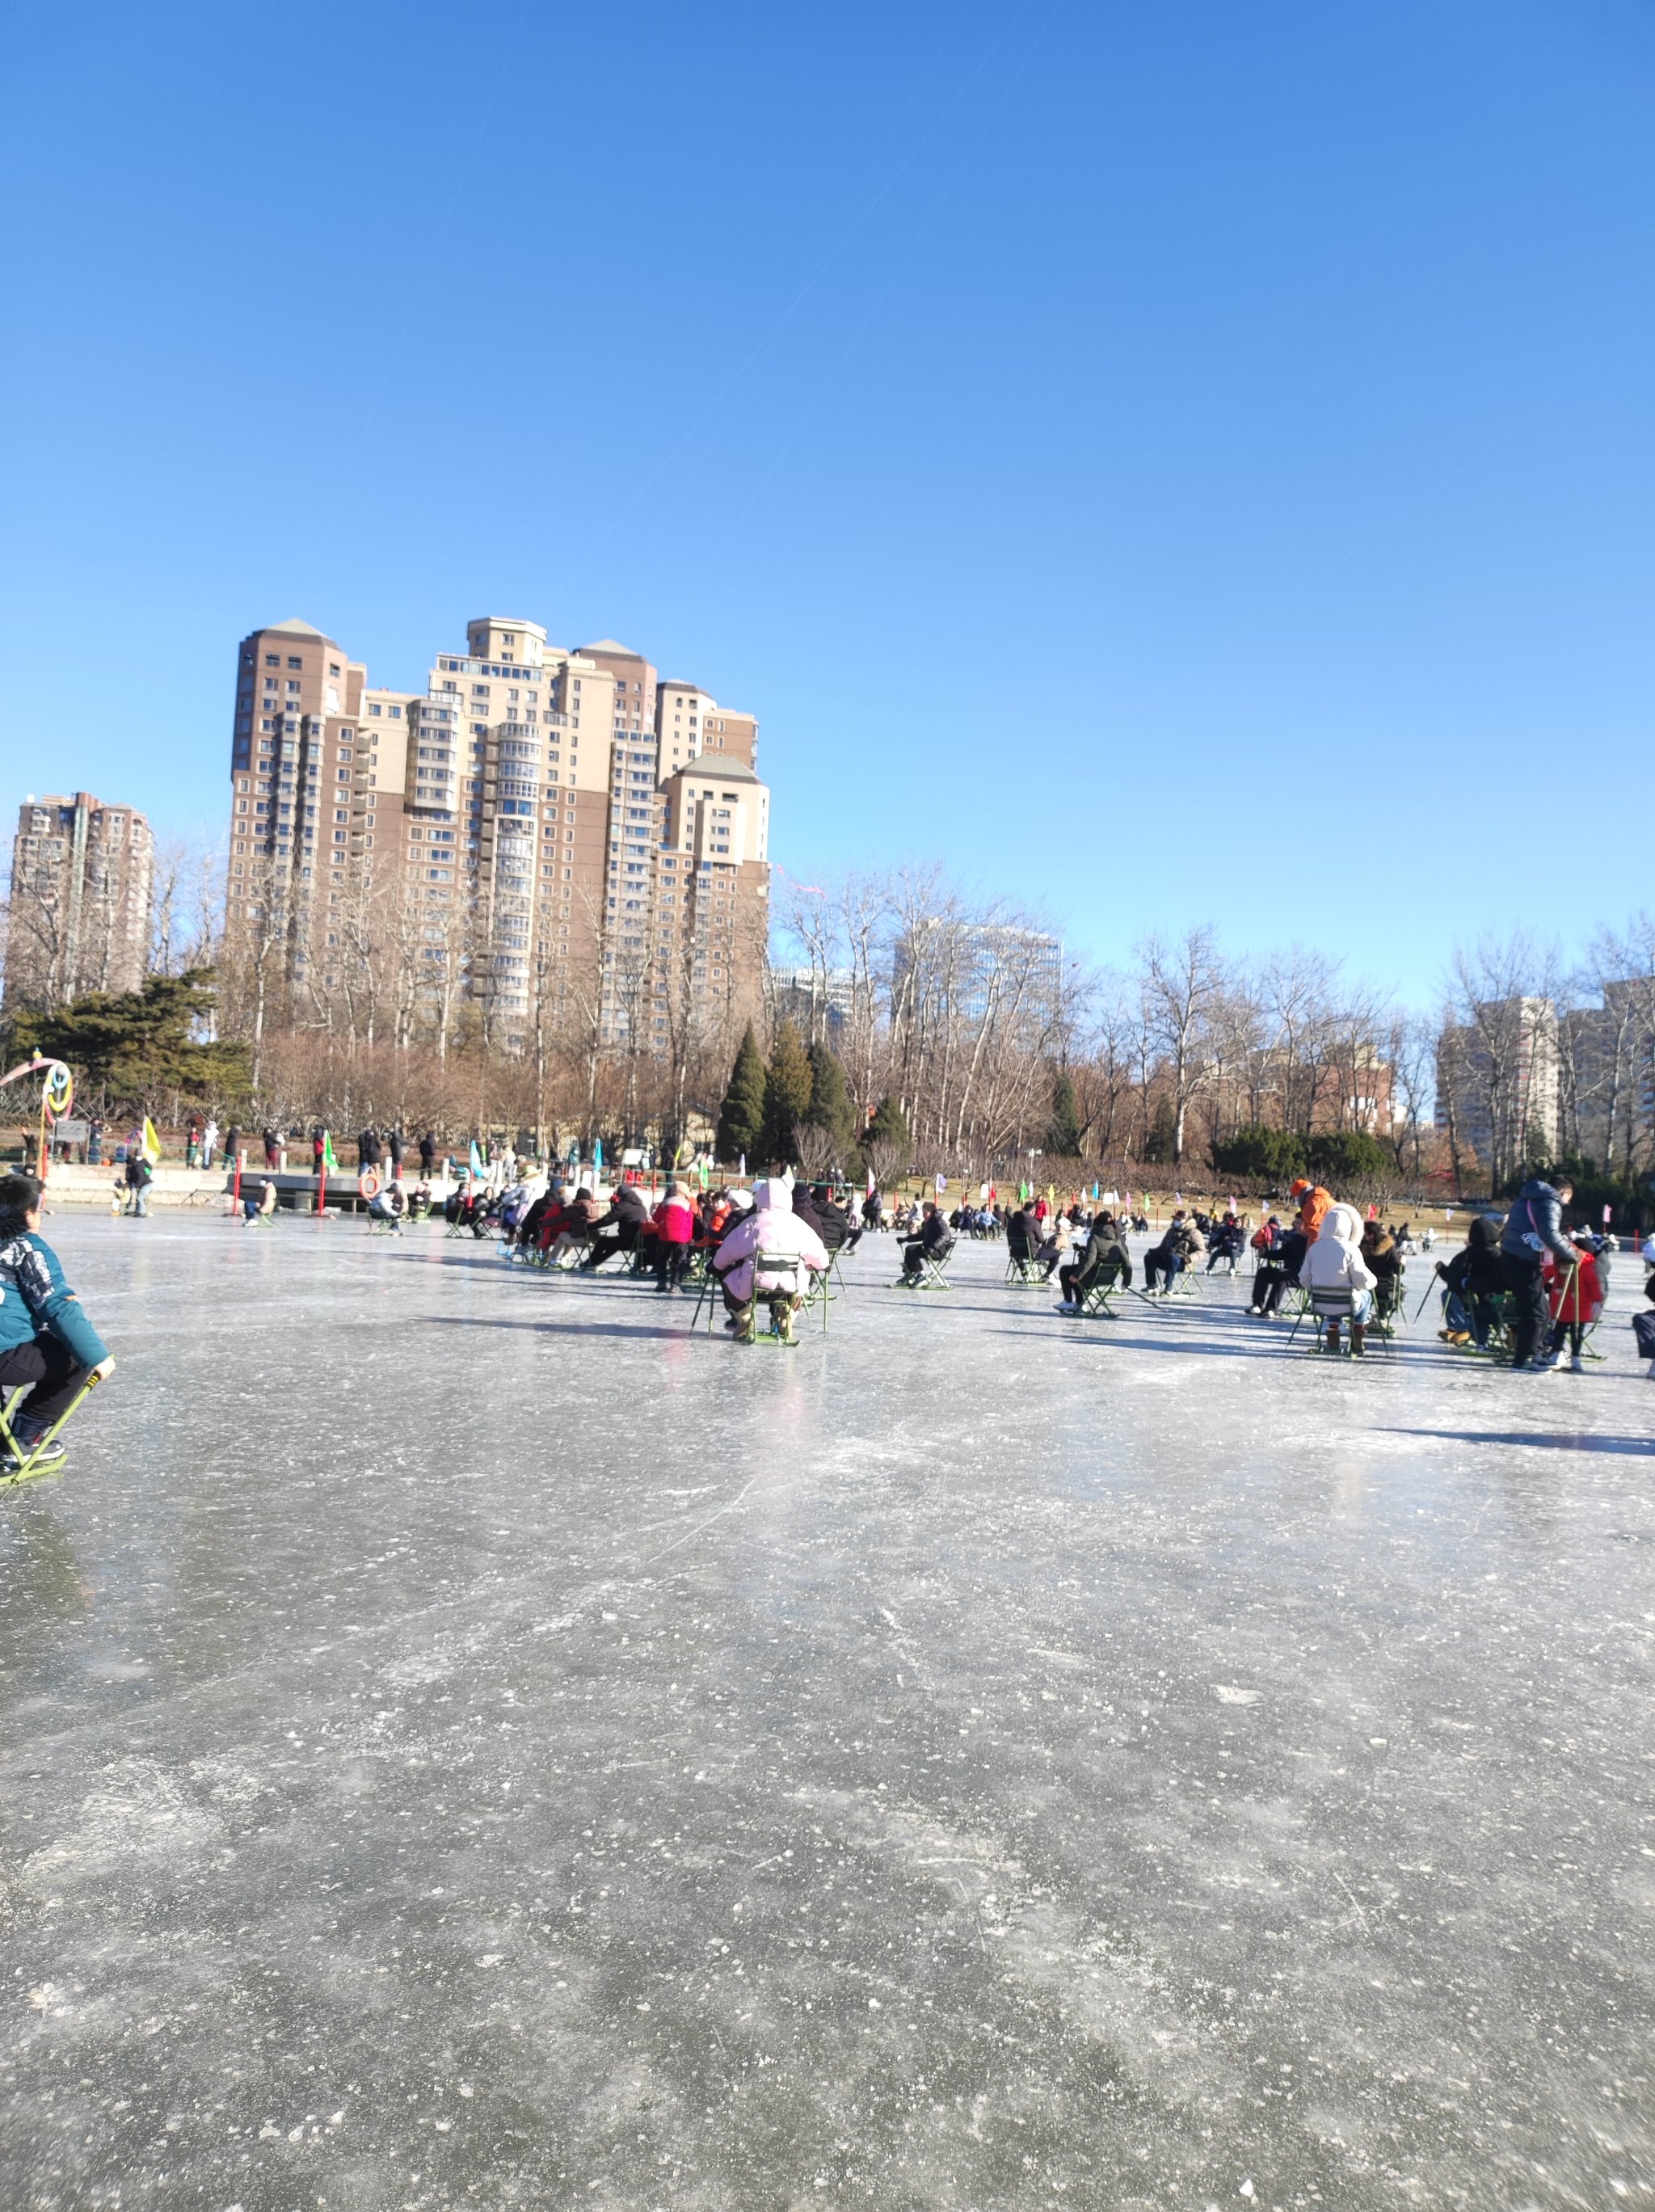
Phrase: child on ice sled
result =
(46, 1342)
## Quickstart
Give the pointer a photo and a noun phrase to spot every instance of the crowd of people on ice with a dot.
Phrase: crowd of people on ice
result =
(1524, 1273)
(1520, 1274)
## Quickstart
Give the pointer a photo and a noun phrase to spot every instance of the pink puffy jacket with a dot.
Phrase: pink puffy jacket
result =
(772, 1227)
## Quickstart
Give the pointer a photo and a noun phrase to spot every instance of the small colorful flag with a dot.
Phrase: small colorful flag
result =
(150, 1145)
(475, 1162)
(597, 1158)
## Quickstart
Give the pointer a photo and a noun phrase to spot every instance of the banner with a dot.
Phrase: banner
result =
(150, 1145)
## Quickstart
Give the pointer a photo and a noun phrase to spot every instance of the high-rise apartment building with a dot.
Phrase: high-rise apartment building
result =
(83, 876)
(1498, 1087)
(544, 839)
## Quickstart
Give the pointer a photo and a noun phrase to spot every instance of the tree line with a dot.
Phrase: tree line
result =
(910, 1025)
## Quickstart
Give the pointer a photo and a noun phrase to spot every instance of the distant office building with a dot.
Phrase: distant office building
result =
(816, 1001)
(1499, 1083)
(83, 876)
(543, 837)
(979, 969)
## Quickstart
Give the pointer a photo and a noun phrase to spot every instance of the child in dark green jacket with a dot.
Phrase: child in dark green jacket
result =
(46, 1341)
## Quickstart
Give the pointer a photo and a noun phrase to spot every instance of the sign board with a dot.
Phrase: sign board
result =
(70, 1133)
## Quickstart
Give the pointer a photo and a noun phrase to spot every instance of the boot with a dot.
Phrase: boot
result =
(1358, 1337)
(1331, 1342)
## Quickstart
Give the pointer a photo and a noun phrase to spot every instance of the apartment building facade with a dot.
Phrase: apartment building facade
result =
(83, 882)
(1499, 1083)
(542, 838)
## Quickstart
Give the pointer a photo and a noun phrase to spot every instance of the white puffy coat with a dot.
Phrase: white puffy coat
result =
(1334, 1261)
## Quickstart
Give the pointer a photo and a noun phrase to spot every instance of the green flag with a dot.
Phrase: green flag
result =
(330, 1165)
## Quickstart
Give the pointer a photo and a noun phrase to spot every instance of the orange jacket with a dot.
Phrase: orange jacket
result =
(1312, 1210)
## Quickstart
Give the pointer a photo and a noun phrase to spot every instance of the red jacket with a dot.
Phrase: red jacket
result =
(674, 1221)
(1584, 1301)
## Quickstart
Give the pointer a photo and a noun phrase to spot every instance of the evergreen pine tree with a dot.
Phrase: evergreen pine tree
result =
(887, 1126)
(786, 1094)
(830, 1101)
(1063, 1137)
(741, 1118)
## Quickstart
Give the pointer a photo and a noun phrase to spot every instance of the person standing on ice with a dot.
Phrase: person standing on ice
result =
(1534, 1227)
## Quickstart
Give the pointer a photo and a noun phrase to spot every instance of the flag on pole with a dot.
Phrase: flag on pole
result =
(870, 1182)
(706, 1178)
(150, 1146)
(597, 1158)
(740, 1166)
(475, 1162)
(330, 1164)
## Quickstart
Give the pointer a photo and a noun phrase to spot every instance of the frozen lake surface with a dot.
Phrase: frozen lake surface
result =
(469, 1743)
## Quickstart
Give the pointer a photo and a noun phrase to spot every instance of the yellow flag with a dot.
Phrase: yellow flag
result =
(151, 1146)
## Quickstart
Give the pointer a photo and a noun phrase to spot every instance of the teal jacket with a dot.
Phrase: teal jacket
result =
(35, 1300)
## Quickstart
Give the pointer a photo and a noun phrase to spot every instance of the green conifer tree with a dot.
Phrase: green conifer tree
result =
(1062, 1136)
(741, 1118)
(830, 1101)
(887, 1126)
(786, 1094)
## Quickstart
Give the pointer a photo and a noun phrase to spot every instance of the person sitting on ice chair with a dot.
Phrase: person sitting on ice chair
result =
(47, 1345)
(1106, 1262)
(765, 1259)
(934, 1241)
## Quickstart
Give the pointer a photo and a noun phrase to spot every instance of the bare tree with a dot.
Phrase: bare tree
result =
(1181, 982)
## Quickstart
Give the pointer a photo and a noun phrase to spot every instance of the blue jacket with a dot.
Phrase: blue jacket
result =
(1535, 1225)
(35, 1300)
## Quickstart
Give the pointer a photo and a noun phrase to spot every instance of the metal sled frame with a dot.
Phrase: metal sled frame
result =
(1096, 1301)
(1024, 1275)
(933, 1274)
(26, 1469)
(777, 1263)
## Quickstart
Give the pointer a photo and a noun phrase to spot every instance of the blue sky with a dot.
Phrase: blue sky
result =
(1171, 463)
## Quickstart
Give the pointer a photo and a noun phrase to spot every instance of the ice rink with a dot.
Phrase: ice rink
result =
(467, 1742)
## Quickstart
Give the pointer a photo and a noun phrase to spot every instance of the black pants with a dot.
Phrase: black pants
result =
(1164, 1265)
(1527, 1292)
(671, 1261)
(1575, 1331)
(52, 1368)
(1268, 1287)
(912, 1255)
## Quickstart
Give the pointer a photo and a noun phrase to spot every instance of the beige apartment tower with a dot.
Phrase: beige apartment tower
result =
(543, 837)
(82, 877)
